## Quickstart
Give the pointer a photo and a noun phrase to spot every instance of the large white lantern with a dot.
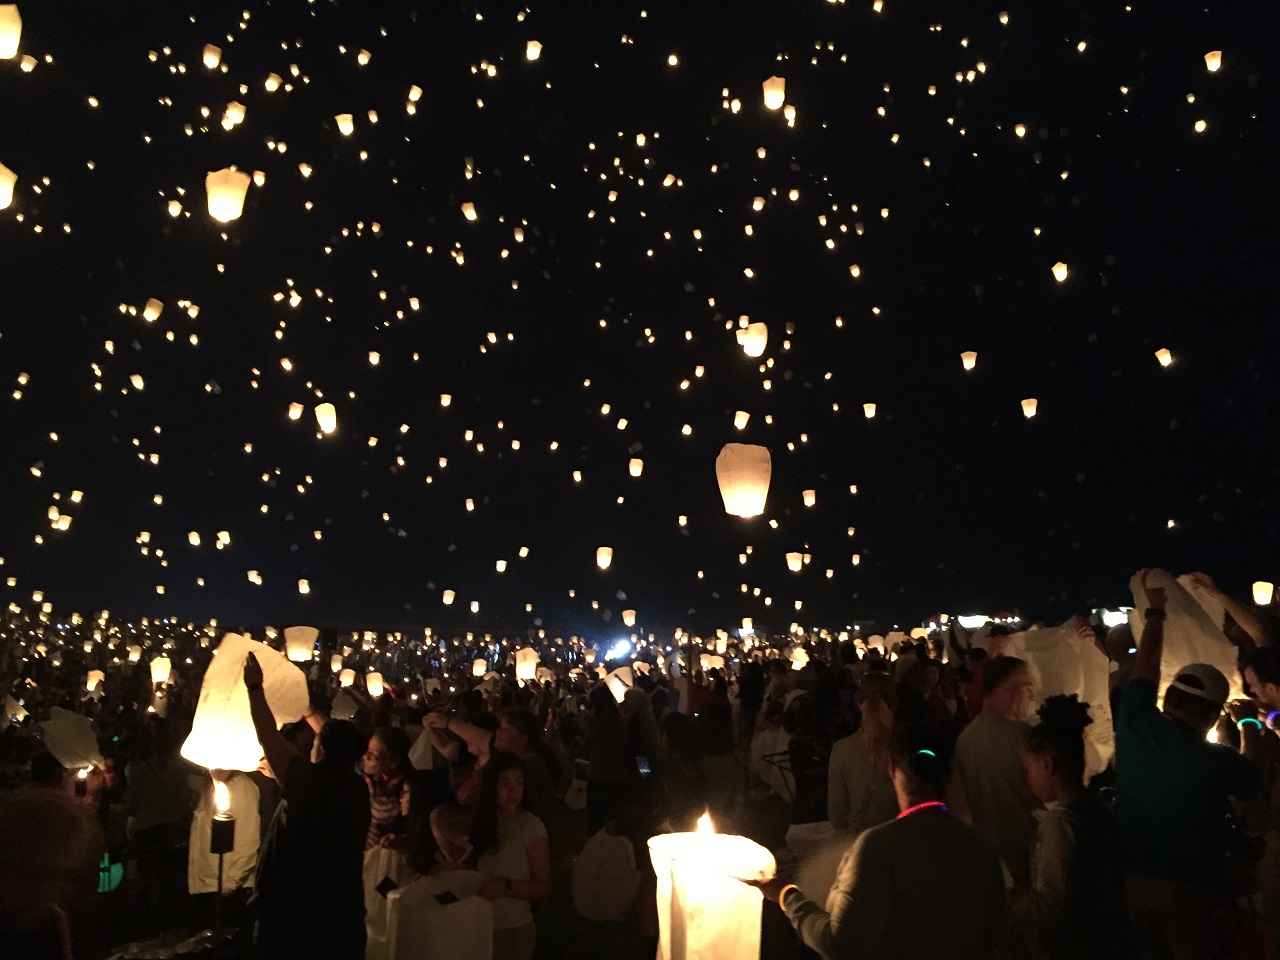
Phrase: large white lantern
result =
(161, 668)
(740, 419)
(93, 678)
(300, 643)
(373, 683)
(628, 618)
(1263, 592)
(8, 179)
(619, 682)
(447, 597)
(707, 909)
(226, 190)
(635, 466)
(327, 418)
(604, 557)
(526, 663)
(743, 471)
(795, 561)
(10, 30)
(1212, 60)
(346, 124)
(810, 497)
(1060, 271)
(347, 677)
(775, 93)
(753, 338)
(532, 50)
(211, 55)
(479, 668)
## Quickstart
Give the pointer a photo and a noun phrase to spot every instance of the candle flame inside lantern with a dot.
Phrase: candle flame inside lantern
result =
(221, 798)
(704, 824)
(83, 773)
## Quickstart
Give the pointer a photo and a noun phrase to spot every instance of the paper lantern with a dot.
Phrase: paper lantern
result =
(10, 30)
(93, 678)
(447, 597)
(445, 399)
(775, 93)
(635, 466)
(1029, 407)
(628, 618)
(346, 124)
(532, 50)
(589, 655)
(799, 658)
(969, 358)
(135, 653)
(13, 711)
(1060, 271)
(743, 472)
(1164, 356)
(604, 557)
(335, 663)
(347, 677)
(619, 682)
(810, 497)
(869, 410)
(161, 669)
(526, 663)
(300, 643)
(304, 586)
(71, 739)
(273, 82)
(8, 179)
(479, 668)
(1212, 60)
(500, 566)
(373, 683)
(469, 211)
(327, 418)
(1263, 592)
(226, 190)
(753, 338)
(740, 419)
(222, 733)
(212, 56)
(795, 561)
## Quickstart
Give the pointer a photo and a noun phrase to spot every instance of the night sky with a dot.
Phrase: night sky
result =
(612, 188)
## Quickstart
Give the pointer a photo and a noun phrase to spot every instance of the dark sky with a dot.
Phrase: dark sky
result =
(963, 505)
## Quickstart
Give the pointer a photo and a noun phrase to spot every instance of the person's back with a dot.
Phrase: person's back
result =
(859, 794)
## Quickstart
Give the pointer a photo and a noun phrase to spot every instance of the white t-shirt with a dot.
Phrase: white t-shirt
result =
(512, 860)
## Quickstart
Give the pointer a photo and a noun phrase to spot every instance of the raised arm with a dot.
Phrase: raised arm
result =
(278, 750)
(1146, 666)
(1242, 613)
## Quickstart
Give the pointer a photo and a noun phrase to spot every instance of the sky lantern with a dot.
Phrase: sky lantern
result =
(740, 419)
(304, 587)
(743, 471)
(1029, 407)
(93, 678)
(10, 30)
(346, 124)
(1263, 592)
(135, 653)
(1060, 271)
(707, 907)
(373, 683)
(469, 210)
(526, 664)
(604, 557)
(753, 339)
(161, 669)
(1212, 60)
(628, 618)
(212, 56)
(447, 597)
(810, 497)
(335, 663)
(273, 82)
(775, 93)
(969, 358)
(300, 643)
(8, 179)
(347, 677)
(869, 410)
(1164, 356)
(479, 668)
(151, 312)
(635, 466)
(795, 561)
(295, 411)
(327, 418)
(532, 50)
(226, 190)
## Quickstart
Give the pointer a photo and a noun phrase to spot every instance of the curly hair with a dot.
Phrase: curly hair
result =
(1060, 732)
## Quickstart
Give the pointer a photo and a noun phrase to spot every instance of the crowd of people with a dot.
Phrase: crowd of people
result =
(960, 802)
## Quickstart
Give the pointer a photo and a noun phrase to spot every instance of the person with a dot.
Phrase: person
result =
(859, 790)
(991, 782)
(309, 885)
(518, 731)
(607, 748)
(161, 802)
(682, 785)
(1074, 907)
(238, 866)
(512, 851)
(924, 886)
(750, 699)
(1173, 792)
(1243, 623)
(386, 763)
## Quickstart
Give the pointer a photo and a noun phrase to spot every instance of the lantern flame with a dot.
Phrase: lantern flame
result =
(83, 773)
(704, 824)
(221, 798)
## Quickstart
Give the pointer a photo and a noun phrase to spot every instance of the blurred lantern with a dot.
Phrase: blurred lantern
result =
(273, 82)
(1029, 407)
(445, 399)
(475, 606)
(160, 670)
(1060, 271)
(151, 312)
(135, 653)
(532, 50)
(753, 339)
(469, 211)
(619, 682)
(212, 56)
(501, 566)
(1164, 356)
(740, 419)
(347, 677)
(743, 471)
(810, 497)
(869, 410)
(589, 655)
(335, 663)
(1263, 592)
(447, 597)
(795, 561)
(775, 93)
(969, 358)
(479, 668)
(604, 557)
(8, 179)
(635, 466)
(93, 678)
(346, 124)
(722, 645)
(304, 586)
(10, 31)
(628, 618)
(300, 643)
(526, 663)
(327, 417)
(1212, 60)
(295, 411)
(799, 658)
(226, 190)
(373, 683)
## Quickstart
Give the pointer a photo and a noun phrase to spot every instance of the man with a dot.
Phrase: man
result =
(1173, 790)
(991, 782)
(310, 876)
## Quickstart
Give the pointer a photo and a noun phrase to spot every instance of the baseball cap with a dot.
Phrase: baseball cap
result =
(1204, 681)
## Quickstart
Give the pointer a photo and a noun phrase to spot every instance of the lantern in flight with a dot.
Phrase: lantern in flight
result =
(532, 50)
(1029, 407)
(526, 664)
(969, 358)
(628, 618)
(346, 124)
(373, 683)
(740, 419)
(1060, 271)
(743, 471)
(211, 55)
(8, 179)
(447, 597)
(795, 561)
(604, 557)
(160, 671)
(635, 467)
(300, 643)
(1263, 592)
(226, 190)
(347, 677)
(1212, 60)
(810, 497)
(10, 30)
(1164, 356)
(327, 418)
(775, 93)
(753, 338)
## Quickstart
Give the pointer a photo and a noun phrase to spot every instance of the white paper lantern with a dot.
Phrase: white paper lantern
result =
(1060, 271)
(753, 339)
(743, 471)
(526, 663)
(335, 663)
(135, 653)
(635, 466)
(469, 211)
(810, 497)
(327, 418)
(628, 618)
(347, 677)
(211, 55)
(795, 561)
(1164, 357)
(740, 419)
(8, 179)
(346, 124)
(969, 358)
(775, 93)
(161, 669)
(869, 410)
(589, 655)
(373, 683)
(532, 50)
(1029, 407)
(1263, 592)
(479, 668)
(604, 557)
(10, 30)
(447, 597)
(300, 643)
(619, 682)
(1212, 60)
(226, 190)
(93, 678)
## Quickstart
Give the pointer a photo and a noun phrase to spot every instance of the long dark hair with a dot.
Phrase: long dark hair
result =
(525, 721)
(1060, 733)
(484, 832)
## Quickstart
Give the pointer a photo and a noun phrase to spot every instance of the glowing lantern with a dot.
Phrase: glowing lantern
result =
(335, 663)
(160, 670)
(722, 645)
(604, 557)
(212, 56)
(635, 466)
(8, 179)
(347, 677)
(775, 93)
(799, 658)
(1029, 407)
(869, 410)
(1164, 356)
(373, 683)
(151, 312)
(273, 81)
(532, 50)
(226, 190)
(740, 419)
(300, 643)
(500, 566)
(526, 664)
(327, 418)
(479, 668)
(295, 411)
(754, 338)
(589, 655)
(707, 908)
(469, 211)
(619, 682)
(743, 471)
(795, 561)
(810, 497)
(628, 618)
(1212, 60)
(10, 31)
(1060, 271)
(93, 678)
(969, 358)
(304, 586)
(346, 124)
(135, 653)
(1263, 592)
(445, 399)
(447, 597)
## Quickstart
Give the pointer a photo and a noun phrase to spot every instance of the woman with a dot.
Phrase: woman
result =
(518, 732)
(859, 790)
(511, 847)
(924, 886)
(386, 762)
